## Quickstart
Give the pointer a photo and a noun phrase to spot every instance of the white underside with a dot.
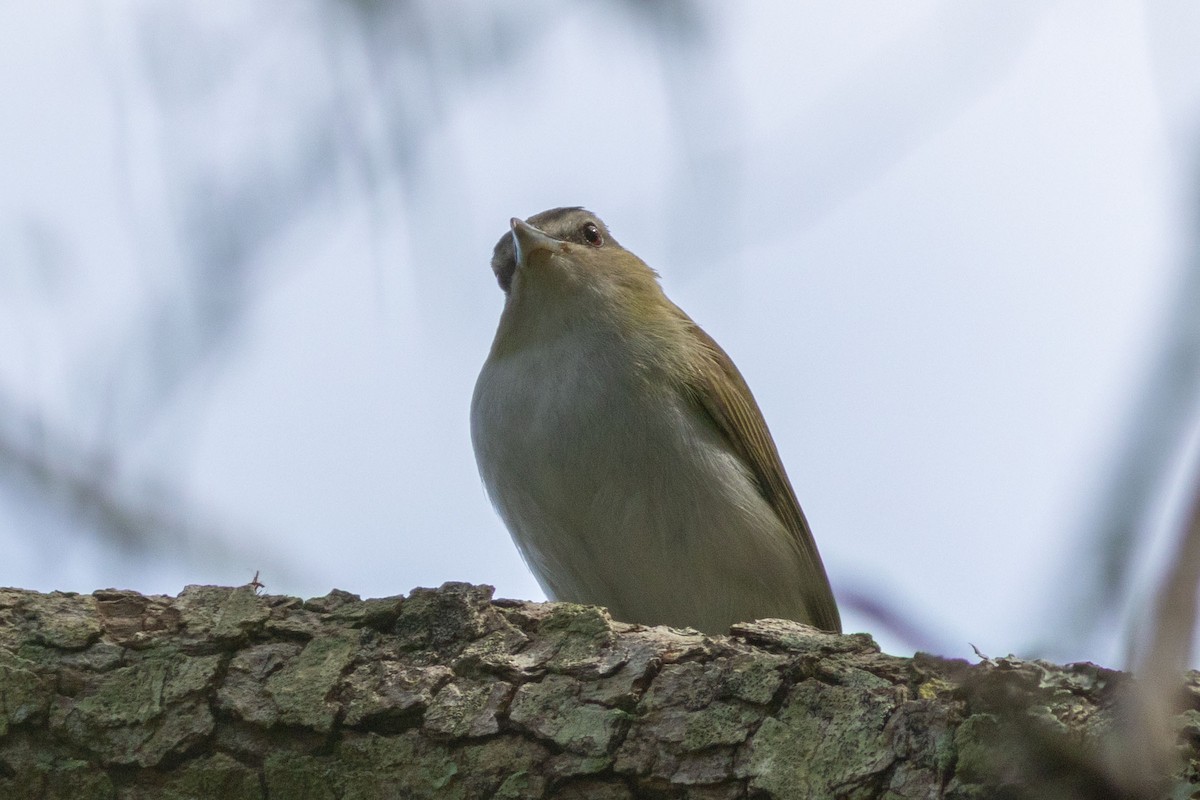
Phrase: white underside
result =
(625, 499)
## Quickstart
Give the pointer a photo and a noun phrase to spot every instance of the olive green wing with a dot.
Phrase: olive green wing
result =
(717, 387)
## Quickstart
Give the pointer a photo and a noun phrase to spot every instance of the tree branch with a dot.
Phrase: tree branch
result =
(449, 694)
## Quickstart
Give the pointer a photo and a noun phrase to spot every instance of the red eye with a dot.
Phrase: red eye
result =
(592, 234)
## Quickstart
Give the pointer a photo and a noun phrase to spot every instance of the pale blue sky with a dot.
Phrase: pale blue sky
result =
(939, 241)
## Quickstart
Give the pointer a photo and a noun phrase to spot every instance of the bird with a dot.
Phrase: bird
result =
(624, 451)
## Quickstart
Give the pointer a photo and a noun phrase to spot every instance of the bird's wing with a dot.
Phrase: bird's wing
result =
(716, 386)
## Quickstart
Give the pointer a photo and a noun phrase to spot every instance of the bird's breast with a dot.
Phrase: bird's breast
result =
(626, 497)
(559, 421)
(575, 447)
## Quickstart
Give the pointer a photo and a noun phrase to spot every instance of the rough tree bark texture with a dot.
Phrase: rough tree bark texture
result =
(223, 693)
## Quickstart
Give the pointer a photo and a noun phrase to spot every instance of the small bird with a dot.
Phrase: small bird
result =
(624, 450)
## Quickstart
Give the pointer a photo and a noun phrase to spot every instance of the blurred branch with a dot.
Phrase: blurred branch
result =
(238, 161)
(1162, 413)
(885, 612)
(135, 515)
(379, 93)
(1145, 752)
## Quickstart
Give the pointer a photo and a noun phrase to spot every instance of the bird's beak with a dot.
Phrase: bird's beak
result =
(527, 239)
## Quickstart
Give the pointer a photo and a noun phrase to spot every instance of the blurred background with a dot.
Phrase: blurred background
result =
(245, 292)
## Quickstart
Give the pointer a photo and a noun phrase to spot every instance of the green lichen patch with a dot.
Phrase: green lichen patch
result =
(570, 765)
(489, 764)
(241, 614)
(55, 779)
(520, 785)
(623, 688)
(500, 653)
(204, 778)
(466, 708)
(824, 738)
(303, 689)
(299, 777)
(24, 694)
(66, 621)
(390, 694)
(336, 600)
(593, 790)
(752, 678)
(718, 724)
(244, 692)
(575, 639)
(222, 616)
(567, 638)
(225, 693)
(402, 766)
(199, 606)
(701, 768)
(548, 710)
(290, 620)
(378, 613)
(141, 713)
(977, 742)
(796, 637)
(134, 620)
(690, 685)
(444, 620)
(687, 745)
(349, 609)
(841, 671)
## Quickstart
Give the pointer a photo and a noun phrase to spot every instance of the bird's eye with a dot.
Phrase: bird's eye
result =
(592, 234)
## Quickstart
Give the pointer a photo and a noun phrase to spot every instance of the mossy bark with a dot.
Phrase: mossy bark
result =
(221, 692)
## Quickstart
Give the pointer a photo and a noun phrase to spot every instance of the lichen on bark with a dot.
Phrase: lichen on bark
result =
(446, 693)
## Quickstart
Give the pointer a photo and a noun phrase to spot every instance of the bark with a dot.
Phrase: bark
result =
(222, 692)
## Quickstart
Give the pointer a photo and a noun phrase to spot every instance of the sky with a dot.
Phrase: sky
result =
(940, 242)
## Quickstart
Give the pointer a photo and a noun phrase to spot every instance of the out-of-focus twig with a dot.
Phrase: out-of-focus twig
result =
(1159, 420)
(1144, 749)
(887, 615)
(137, 516)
